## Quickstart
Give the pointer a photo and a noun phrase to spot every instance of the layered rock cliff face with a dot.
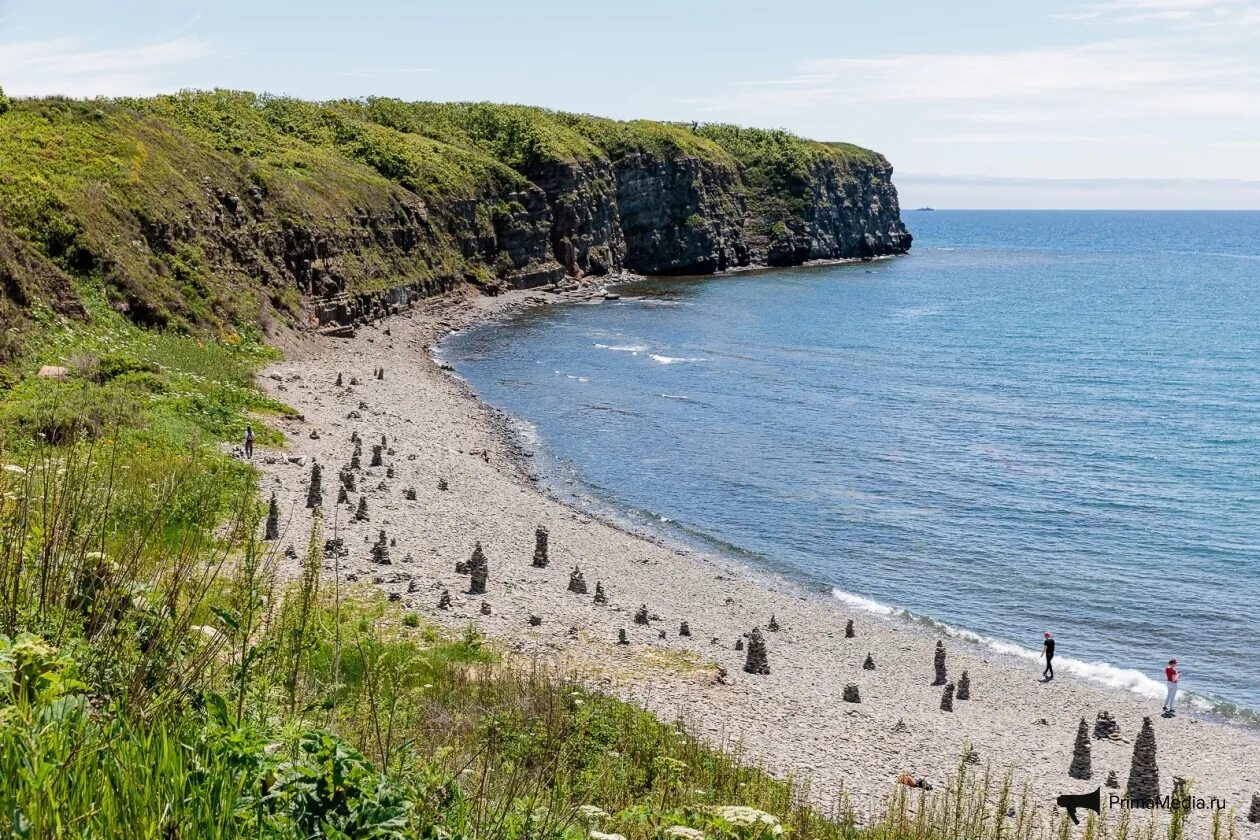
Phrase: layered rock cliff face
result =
(219, 208)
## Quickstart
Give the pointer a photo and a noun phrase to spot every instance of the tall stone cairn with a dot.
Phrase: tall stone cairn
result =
(338, 382)
(1106, 727)
(600, 597)
(347, 479)
(380, 550)
(1143, 783)
(947, 698)
(964, 687)
(851, 694)
(577, 583)
(540, 548)
(848, 629)
(355, 462)
(1082, 763)
(1253, 815)
(773, 626)
(684, 629)
(869, 664)
(376, 456)
(315, 490)
(641, 614)
(939, 664)
(360, 513)
(478, 571)
(755, 662)
(272, 531)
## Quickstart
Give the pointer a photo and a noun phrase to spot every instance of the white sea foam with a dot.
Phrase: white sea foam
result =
(677, 397)
(633, 349)
(672, 360)
(1100, 672)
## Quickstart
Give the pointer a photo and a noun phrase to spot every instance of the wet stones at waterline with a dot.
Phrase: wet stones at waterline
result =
(938, 663)
(444, 600)
(756, 661)
(851, 694)
(272, 530)
(376, 456)
(641, 614)
(947, 698)
(600, 597)
(361, 512)
(1143, 783)
(1082, 761)
(315, 490)
(540, 560)
(684, 629)
(1105, 726)
(868, 664)
(380, 550)
(577, 583)
(848, 629)
(964, 687)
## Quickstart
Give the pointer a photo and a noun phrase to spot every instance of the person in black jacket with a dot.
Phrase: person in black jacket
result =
(1047, 648)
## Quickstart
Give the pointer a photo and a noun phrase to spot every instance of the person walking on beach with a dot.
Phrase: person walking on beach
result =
(1047, 648)
(249, 441)
(1174, 678)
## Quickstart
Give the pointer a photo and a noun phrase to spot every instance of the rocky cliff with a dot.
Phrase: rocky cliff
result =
(205, 210)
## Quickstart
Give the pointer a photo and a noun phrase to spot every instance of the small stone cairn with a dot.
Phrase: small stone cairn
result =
(773, 626)
(600, 597)
(315, 491)
(938, 663)
(869, 664)
(376, 457)
(361, 513)
(621, 637)
(851, 694)
(1113, 779)
(442, 485)
(756, 662)
(380, 550)
(444, 600)
(1082, 763)
(947, 698)
(684, 629)
(410, 494)
(641, 614)
(338, 382)
(848, 629)
(577, 583)
(964, 687)
(540, 560)
(343, 497)
(272, 531)
(347, 479)
(535, 620)
(739, 643)
(1253, 814)
(478, 570)
(1143, 783)
(1105, 727)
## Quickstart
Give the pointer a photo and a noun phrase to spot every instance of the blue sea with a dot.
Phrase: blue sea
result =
(1035, 421)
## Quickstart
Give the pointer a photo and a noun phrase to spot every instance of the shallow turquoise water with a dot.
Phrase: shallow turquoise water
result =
(1037, 420)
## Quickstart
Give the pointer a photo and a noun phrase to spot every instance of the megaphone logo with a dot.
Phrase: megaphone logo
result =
(1072, 801)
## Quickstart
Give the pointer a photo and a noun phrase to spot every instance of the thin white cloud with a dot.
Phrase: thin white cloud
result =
(374, 72)
(71, 67)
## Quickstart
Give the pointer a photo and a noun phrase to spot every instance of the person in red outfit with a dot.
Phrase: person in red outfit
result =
(1174, 678)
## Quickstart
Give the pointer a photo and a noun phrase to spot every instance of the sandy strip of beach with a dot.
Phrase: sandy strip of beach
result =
(793, 720)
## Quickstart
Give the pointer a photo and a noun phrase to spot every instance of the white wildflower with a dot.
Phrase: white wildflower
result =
(742, 815)
(685, 832)
(599, 835)
(15, 469)
(592, 812)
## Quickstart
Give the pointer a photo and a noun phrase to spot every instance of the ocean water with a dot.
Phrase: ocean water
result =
(1035, 421)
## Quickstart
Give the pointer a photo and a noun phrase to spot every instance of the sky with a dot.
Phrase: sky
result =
(1104, 103)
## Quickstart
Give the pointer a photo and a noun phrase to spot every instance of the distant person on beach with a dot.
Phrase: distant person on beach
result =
(249, 441)
(1047, 648)
(1174, 678)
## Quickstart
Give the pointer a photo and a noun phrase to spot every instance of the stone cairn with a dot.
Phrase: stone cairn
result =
(621, 637)
(1143, 783)
(410, 494)
(380, 550)
(848, 629)
(356, 463)
(442, 485)
(869, 664)
(773, 626)
(684, 629)
(315, 492)
(360, 513)
(964, 687)
(540, 560)
(380, 374)
(272, 531)
(971, 755)
(577, 583)
(384, 440)
(660, 634)
(1113, 779)
(1253, 815)
(338, 382)
(755, 662)
(739, 643)
(478, 571)
(444, 600)
(347, 479)
(535, 620)
(641, 614)
(354, 380)
(485, 608)
(343, 498)
(376, 457)
(947, 698)
(389, 472)
(939, 663)
(600, 597)
(1082, 764)
(851, 694)
(1106, 727)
